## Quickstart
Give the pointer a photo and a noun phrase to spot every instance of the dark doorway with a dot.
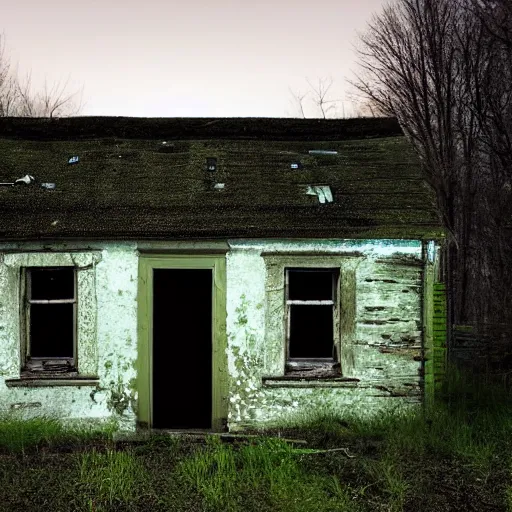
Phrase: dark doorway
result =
(182, 348)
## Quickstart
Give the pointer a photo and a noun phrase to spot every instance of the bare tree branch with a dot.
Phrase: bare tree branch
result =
(320, 95)
(298, 99)
(18, 98)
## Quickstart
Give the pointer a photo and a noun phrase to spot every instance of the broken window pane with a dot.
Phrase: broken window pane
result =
(52, 283)
(308, 284)
(51, 330)
(311, 331)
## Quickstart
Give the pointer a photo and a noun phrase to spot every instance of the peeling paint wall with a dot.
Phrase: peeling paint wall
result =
(381, 348)
(380, 322)
(107, 276)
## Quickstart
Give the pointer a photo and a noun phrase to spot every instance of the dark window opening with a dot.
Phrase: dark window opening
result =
(52, 283)
(310, 308)
(308, 284)
(311, 332)
(51, 330)
(50, 315)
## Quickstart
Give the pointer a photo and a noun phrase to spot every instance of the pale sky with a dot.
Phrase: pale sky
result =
(158, 58)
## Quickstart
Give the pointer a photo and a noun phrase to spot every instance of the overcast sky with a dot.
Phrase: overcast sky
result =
(188, 57)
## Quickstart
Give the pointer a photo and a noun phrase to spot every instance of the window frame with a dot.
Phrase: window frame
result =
(275, 365)
(313, 367)
(333, 302)
(42, 363)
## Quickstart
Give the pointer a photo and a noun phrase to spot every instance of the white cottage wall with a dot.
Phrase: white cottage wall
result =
(107, 333)
(381, 357)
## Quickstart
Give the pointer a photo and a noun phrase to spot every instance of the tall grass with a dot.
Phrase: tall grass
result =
(469, 425)
(109, 478)
(387, 474)
(266, 472)
(399, 458)
(18, 435)
(471, 419)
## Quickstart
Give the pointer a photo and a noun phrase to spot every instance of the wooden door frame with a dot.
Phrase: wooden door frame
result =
(148, 262)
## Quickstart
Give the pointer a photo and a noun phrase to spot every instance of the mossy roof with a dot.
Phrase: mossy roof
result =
(128, 184)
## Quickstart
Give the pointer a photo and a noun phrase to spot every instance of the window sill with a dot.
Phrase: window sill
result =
(312, 369)
(293, 381)
(39, 381)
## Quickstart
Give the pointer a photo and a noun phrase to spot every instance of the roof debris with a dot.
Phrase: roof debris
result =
(27, 179)
(211, 164)
(322, 191)
(219, 186)
(322, 152)
(73, 160)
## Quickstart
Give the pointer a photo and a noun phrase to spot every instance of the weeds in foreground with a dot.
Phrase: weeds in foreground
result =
(453, 456)
(268, 471)
(18, 435)
(109, 478)
(389, 476)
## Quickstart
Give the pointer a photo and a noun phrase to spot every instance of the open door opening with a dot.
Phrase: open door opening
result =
(182, 349)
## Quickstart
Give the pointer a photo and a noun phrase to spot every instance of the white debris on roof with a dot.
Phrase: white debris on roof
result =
(73, 160)
(323, 192)
(219, 186)
(27, 179)
(322, 152)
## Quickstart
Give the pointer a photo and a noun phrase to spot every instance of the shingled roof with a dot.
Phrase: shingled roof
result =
(141, 178)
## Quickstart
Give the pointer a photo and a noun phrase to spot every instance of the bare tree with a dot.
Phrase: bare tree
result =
(8, 86)
(435, 65)
(318, 95)
(496, 15)
(492, 87)
(365, 107)
(51, 101)
(298, 100)
(19, 98)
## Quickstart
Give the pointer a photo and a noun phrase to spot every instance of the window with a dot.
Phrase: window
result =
(50, 318)
(310, 320)
(311, 305)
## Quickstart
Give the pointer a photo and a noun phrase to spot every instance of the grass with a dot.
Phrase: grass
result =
(18, 435)
(456, 456)
(108, 479)
(265, 474)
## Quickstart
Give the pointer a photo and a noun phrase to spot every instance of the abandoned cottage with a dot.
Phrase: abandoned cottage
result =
(214, 273)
